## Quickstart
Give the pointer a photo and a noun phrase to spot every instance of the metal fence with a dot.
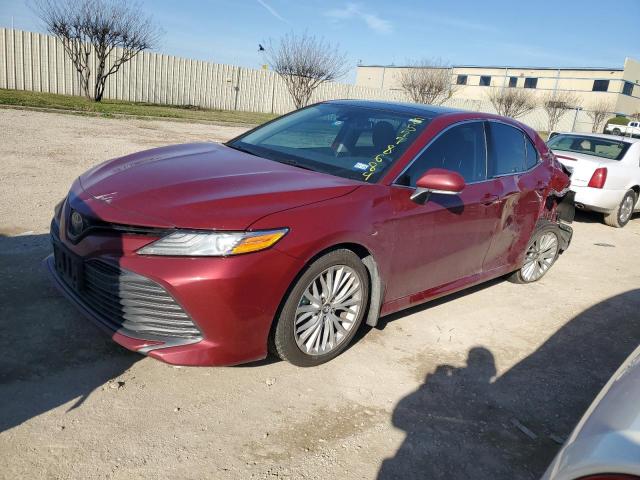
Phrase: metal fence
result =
(37, 62)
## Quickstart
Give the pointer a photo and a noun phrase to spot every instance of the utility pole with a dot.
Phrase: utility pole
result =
(575, 118)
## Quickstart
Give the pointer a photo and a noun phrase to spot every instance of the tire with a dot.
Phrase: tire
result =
(322, 340)
(616, 131)
(539, 255)
(623, 213)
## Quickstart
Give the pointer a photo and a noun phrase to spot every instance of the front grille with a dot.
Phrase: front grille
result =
(134, 303)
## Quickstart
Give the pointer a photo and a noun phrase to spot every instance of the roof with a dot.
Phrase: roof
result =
(504, 67)
(606, 136)
(404, 107)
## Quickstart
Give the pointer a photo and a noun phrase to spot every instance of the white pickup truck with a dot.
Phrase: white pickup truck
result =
(630, 130)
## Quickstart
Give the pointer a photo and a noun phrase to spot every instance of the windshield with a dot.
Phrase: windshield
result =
(354, 142)
(598, 147)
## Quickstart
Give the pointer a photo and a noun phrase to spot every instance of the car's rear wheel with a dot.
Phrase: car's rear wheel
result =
(616, 131)
(542, 252)
(323, 310)
(621, 215)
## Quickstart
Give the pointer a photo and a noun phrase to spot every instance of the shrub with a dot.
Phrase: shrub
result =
(618, 120)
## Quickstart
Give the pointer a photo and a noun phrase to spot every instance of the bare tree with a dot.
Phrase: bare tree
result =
(428, 81)
(304, 63)
(556, 104)
(598, 112)
(114, 31)
(512, 102)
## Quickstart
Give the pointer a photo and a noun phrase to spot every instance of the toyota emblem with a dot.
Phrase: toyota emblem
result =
(77, 223)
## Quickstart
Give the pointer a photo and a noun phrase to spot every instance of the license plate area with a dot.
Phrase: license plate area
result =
(69, 266)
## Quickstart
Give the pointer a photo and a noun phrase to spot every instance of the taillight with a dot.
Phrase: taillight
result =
(598, 178)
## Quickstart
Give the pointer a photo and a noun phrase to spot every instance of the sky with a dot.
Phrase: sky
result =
(560, 33)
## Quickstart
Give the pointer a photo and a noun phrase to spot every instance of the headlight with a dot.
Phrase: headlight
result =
(212, 244)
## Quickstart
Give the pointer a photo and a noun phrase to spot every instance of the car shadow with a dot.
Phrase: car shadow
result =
(384, 321)
(51, 355)
(585, 216)
(464, 422)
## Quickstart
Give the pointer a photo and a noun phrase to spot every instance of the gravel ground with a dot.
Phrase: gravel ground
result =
(484, 384)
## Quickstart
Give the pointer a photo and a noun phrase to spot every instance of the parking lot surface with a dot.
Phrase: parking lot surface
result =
(485, 384)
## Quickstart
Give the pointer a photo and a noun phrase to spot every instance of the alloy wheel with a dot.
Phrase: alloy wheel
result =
(626, 209)
(540, 256)
(328, 310)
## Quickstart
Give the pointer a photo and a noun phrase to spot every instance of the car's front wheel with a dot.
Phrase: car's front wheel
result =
(621, 215)
(323, 310)
(542, 252)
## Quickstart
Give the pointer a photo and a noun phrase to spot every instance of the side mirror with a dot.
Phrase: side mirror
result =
(437, 180)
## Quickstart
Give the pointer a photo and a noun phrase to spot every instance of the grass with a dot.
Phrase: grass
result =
(81, 105)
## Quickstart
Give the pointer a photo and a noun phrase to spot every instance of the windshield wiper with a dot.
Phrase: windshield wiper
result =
(269, 156)
(242, 149)
(292, 163)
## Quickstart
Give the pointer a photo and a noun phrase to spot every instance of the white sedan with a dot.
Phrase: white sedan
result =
(606, 443)
(605, 173)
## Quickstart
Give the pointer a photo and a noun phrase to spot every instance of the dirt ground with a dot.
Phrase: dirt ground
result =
(485, 384)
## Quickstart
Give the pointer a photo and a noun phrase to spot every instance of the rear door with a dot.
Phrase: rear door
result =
(515, 163)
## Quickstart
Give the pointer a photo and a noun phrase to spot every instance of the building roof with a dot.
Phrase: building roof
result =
(510, 67)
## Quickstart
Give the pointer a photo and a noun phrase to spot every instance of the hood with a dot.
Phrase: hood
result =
(205, 185)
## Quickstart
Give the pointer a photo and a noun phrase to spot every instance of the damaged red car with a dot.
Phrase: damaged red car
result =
(289, 237)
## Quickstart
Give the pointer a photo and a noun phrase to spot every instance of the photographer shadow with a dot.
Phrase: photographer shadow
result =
(50, 354)
(467, 423)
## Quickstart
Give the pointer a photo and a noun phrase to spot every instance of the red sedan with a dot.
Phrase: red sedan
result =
(288, 237)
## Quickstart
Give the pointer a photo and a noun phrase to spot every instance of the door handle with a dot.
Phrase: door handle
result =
(490, 199)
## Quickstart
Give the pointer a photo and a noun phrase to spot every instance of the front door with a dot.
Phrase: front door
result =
(446, 238)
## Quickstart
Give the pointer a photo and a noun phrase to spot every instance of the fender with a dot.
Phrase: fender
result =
(564, 232)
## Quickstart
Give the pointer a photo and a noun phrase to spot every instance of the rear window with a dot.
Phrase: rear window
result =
(598, 147)
(532, 154)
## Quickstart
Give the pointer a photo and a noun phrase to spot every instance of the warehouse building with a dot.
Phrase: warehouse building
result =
(618, 86)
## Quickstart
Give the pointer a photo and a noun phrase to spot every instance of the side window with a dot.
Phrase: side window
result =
(460, 149)
(506, 149)
(532, 153)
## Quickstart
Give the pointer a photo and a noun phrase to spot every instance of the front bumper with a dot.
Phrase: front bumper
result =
(231, 301)
(565, 233)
